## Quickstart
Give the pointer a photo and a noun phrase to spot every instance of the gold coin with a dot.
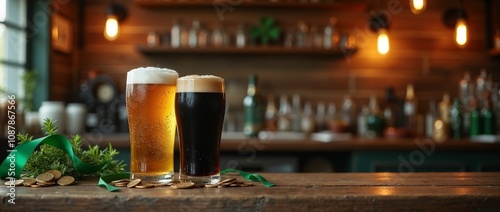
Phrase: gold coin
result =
(133, 183)
(36, 186)
(66, 180)
(122, 184)
(161, 184)
(45, 177)
(15, 182)
(182, 185)
(120, 181)
(45, 183)
(145, 186)
(57, 174)
(28, 182)
(211, 185)
(234, 185)
(229, 180)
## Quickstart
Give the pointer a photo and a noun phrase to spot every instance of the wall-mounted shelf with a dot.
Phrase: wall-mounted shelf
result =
(341, 6)
(246, 50)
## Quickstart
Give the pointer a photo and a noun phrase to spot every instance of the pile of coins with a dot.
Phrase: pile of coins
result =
(49, 178)
(231, 182)
(137, 183)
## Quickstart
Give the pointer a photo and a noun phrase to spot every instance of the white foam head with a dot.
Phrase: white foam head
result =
(200, 83)
(152, 75)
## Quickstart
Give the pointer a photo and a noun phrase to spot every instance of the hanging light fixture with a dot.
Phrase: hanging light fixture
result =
(417, 6)
(456, 18)
(115, 14)
(379, 24)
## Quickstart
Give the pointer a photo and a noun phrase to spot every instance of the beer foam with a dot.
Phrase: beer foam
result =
(200, 83)
(152, 75)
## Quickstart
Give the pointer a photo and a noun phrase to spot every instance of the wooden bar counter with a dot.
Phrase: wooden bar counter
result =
(458, 191)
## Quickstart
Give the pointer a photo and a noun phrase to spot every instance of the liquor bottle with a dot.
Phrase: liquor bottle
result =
(375, 121)
(175, 35)
(193, 34)
(347, 112)
(271, 114)
(430, 118)
(321, 124)
(331, 35)
(362, 125)
(295, 115)
(391, 111)
(410, 109)
(488, 119)
(307, 121)
(284, 120)
(254, 109)
(475, 123)
(241, 36)
(456, 120)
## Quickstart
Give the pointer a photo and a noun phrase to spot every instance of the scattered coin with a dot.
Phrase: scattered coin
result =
(37, 186)
(15, 182)
(182, 185)
(29, 181)
(46, 183)
(66, 180)
(133, 183)
(161, 184)
(45, 177)
(57, 174)
(122, 184)
(120, 181)
(145, 186)
(211, 185)
(228, 180)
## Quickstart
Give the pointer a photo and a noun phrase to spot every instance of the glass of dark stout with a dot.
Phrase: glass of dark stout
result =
(199, 107)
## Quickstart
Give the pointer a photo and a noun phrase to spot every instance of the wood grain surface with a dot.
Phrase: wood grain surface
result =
(293, 192)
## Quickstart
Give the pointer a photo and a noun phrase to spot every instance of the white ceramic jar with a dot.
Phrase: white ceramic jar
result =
(55, 111)
(76, 118)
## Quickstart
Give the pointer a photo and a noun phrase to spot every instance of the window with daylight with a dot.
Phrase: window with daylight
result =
(12, 45)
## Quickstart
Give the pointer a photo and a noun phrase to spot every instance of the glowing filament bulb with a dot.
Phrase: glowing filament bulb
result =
(383, 42)
(461, 34)
(111, 30)
(417, 6)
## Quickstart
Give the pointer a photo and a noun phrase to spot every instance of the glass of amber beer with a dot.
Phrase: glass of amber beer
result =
(200, 104)
(151, 116)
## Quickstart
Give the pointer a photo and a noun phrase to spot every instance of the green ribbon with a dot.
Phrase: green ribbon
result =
(17, 158)
(248, 176)
(105, 181)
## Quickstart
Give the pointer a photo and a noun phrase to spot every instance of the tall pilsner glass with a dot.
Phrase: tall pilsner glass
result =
(151, 115)
(200, 105)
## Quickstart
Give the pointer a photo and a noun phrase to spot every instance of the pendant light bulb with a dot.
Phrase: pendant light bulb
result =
(383, 42)
(461, 33)
(417, 6)
(111, 29)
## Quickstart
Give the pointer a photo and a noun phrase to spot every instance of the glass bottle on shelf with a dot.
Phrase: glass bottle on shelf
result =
(295, 115)
(184, 37)
(488, 118)
(321, 124)
(203, 37)
(410, 109)
(175, 34)
(307, 121)
(430, 117)
(301, 35)
(271, 114)
(153, 39)
(475, 123)
(284, 120)
(241, 36)
(316, 38)
(289, 39)
(331, 35)
(193, 34)
(375, 121)
(347, 112)
(254, 109)
(217, 37)
(456, 120)
(362, 125)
